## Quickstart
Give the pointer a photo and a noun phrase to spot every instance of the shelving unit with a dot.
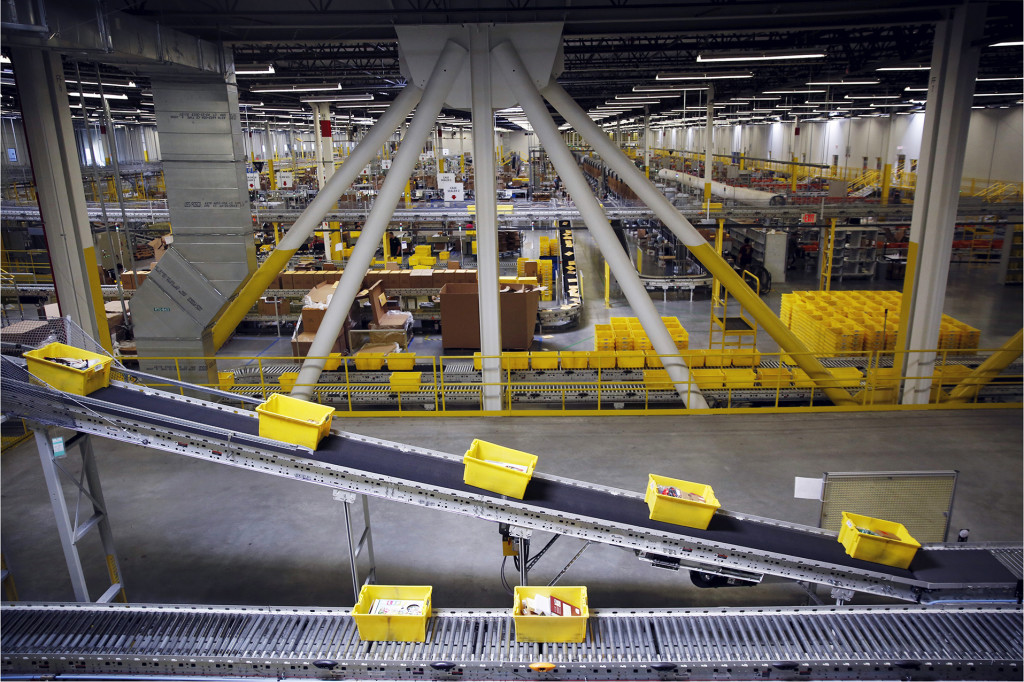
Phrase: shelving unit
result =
(1012, 258)
(769, 247)
(855, 253)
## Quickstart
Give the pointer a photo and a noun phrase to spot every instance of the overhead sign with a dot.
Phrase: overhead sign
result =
(445, 179)
(809, 218)
(385, 164)
(284, 180)
(452, 191)
(254, 180)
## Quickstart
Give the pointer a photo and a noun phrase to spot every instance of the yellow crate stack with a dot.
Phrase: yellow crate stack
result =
(604, 338)
(547, 279)
(422, 257)
(548, 246)
(845, 322)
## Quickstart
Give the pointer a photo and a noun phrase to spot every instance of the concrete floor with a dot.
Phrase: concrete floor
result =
(189, 531)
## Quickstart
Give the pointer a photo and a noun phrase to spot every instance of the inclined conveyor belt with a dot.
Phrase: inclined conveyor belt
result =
(907, 642)
(932, 566)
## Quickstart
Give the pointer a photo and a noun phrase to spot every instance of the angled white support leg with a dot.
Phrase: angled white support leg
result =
(71, 530)
(621, 265)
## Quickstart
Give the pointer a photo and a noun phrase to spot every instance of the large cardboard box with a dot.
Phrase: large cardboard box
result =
(160, 246)
(273, 305)
(302, 340)
(460, 316)
(315, 305)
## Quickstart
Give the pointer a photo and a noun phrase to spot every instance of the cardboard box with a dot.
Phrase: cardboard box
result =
(302, 340)
(287, 279)
(273, 305)
(313, 311)
(460, 316)
(115, 313)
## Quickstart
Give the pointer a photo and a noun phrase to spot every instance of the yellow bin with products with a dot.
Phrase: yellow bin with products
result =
(486, 468)
(43, 366)
(393, 627)
(294, 421)
(532, 628)
(877, 540)
(680, 510)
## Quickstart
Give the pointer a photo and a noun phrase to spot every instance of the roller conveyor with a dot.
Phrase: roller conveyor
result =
(912, 642)
(734, 543)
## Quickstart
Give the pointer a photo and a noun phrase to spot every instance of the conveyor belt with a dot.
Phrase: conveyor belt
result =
(977, 566)
(765, 643)
(733, 541)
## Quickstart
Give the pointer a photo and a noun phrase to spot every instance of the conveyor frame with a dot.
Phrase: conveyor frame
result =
(188, 434)
(65, 641)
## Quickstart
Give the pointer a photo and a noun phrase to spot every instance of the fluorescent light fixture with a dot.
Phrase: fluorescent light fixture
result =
(898, 104)
(253, 69)
(98, 95)
(998, 94)
(872, 97)
(793, 92)
(909, 89)
(904, 68)
(4, 59)
(668, 88)
(1001, 78)
(338, 98)
(295, 88)
(632, 103)
(702, 76)
(250, 104)
(106, 84)
(1012, 43)
(763, 56)
(641, 98)
(872, 82)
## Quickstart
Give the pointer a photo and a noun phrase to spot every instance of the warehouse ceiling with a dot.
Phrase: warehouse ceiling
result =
(610, 47)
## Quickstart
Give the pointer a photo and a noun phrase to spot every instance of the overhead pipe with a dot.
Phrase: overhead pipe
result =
(441, 79)
(312, 217)
(544, 127)
(692, 239)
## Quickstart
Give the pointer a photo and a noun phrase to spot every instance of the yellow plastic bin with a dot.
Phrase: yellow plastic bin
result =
(295, 421)
(681, 511)
(544, 359)
(553, 628)
(574, 359)
(376, 622)
(369, 361)
(401, 362)
(631, 359)
(405, 382)
(601, 359)
(43, 364)
(877, 540)
(515, 360)
(487, 468)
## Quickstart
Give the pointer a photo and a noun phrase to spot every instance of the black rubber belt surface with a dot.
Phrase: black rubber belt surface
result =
(935, 566)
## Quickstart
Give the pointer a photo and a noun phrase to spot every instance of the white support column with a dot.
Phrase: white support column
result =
(58, 177)
(441, 79)
(324, 136)
(954, 67)
(708, 141)
(485, 193)
(547, 133)
(647, 141)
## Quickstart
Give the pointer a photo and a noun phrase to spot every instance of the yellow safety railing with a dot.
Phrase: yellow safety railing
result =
(23, 267)
(743, 380)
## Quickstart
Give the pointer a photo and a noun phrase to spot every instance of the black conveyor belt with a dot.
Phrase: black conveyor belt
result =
(977, 566)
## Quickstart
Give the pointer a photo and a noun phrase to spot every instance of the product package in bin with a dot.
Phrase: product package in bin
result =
(69, 369)
(294, 421)
(680, 502)
(498, 469)
(877, 540)
(550, 614)
(393, 613)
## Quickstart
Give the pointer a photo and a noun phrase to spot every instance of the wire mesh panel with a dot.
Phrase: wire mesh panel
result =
(920, 500)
